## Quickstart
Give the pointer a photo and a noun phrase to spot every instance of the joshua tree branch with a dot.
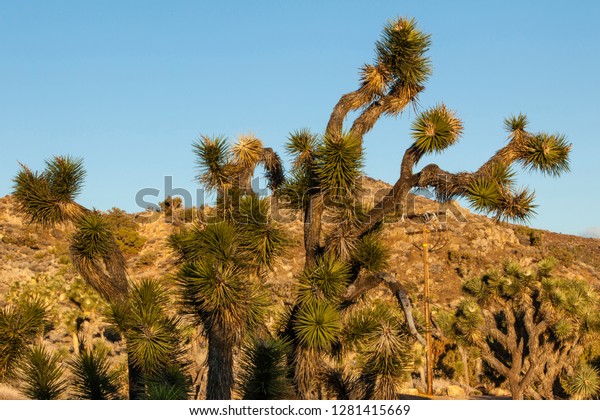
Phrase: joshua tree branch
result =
(367, 282)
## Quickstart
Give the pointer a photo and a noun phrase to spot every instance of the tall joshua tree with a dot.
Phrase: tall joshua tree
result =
(224, 260)
(326, 172)
(47, 198)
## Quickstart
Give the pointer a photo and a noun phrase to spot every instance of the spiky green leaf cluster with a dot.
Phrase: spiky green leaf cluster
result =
(546, 153)
(247, 151)
(218, 294)
(42, 375)
(295, 193)
(370, 253)
(516, 123)
(401, 53)
(483, 194)
(154, 338)
(302, 145)
(376, 332)
(262, 241)
(19, 325)
(213, 160)
(318, 325)
(47, 198)
(339, 165)
(93, 378)
(469, 321)
(584, 383)
(435, 129)
(263, 370)
(170, 383)
(326, 281)
(93, 237)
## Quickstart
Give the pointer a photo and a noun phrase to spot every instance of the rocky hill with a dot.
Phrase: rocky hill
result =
(33, 260)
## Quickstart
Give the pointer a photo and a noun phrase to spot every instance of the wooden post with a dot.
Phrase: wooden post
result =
(429, 359)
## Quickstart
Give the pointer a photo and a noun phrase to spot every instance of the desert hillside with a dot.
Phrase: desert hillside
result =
(36, 261)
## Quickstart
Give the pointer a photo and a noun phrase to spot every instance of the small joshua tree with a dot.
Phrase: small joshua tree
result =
(531, 327)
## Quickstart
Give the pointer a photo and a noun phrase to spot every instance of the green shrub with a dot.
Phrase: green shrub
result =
(125, 230)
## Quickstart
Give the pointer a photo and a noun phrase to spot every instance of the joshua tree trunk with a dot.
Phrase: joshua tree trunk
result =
(136, 390)
(465, 361)
(220, 364)
(516, 389)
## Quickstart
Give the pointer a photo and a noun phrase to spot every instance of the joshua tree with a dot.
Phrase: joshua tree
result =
(530, 327)
(47, 198)
(224, 259)
(154, 339)
(326, 172)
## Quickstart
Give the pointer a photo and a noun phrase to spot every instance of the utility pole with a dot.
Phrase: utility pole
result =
(429, 359)
(426, 247)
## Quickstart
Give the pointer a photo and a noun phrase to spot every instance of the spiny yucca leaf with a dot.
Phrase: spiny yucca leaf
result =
(374, 80)
(584, 383)
(580, 299)
(263, 371)
(317, 326)
(153, 336)
(19, 325)
(42, 375)
(477, 288)
(515, 123)
(547, 153)
(213, 160)
(384, 361)
(264, 245)
(218, 241)
(500, 173)
(483, 194)
(253, 210)
(401, 52)
(361, 323)
(170, 383)
(545, 267)
(516, 206)
(210, 287)
(514, 269)
(326, 280)
(34, 198)
(149, 294)
(348, 214)
(93, 237)
(469, 320)
(216, 294)
(152, 341)
(370, 253)
(564, 329)
(435, 130)
(247, 151)
(302, 144)
(340, 163)
(93, 378)
(65, 176)
(47, 198)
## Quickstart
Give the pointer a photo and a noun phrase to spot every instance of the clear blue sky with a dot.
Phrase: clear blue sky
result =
(129, 85)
